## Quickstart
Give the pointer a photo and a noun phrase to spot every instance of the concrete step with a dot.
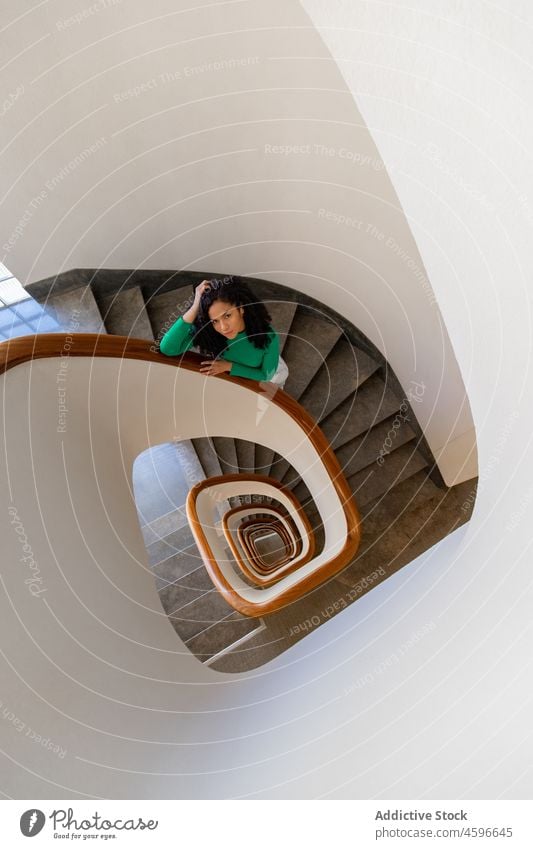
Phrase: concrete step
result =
(227, 454)
(207, 456)
(263, 459)
(246, 461)
(229, 462)
(245, 455)
(370, 447)
(202, 612)
(165, 308)
(345, 369)
(218, 636)
(124, 313)
(76, 310)
(175, 543)
(279, 466)
(373, 402)
(177, 602)
(383, 511)
(366, 449)
(163, 525)
(311, 339)
(409, 519)
(282, 314)
(376, 480)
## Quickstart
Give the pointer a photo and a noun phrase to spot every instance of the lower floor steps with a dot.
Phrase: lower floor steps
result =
(205, 622)
(396, 528)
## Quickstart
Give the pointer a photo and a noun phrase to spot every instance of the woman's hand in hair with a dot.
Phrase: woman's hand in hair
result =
(202, 287)
(212, 367)
(192, 313)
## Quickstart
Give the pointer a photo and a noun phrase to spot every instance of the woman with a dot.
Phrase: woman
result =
(231, 327)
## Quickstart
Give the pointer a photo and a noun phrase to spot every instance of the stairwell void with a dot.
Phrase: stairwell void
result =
(369, 420)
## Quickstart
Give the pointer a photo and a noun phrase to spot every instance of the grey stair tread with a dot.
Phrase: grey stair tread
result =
(387, 436)
(390, 545)
(282, 470)
(375, 480)
(227, 454)
(197, 580)
(219, 636)
(310, 341)
(124, 314)
(282, 314)
(278, 466)
(365, 449)
(174, 543)
(204, 610)
(207, 455)
(251, 655)
(414, 517)
(176, 602)
(245, 455)
(165, 309)
(164, 525)
(373, 402)
(344, 369)
(246, 461)
(263, 459)
(176, 568)
(76, 310)
(408, 495)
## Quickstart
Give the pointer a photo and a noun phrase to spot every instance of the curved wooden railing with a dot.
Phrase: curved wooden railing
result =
(20, 350)
(296, 561)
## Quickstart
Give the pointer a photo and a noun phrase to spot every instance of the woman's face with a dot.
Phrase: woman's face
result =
(226, 319)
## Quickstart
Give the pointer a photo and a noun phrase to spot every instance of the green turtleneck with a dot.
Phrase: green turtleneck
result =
(247, 360)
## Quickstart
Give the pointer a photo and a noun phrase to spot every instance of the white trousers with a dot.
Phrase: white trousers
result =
(281, 374)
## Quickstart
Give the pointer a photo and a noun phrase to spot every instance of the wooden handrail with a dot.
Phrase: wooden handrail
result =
(292, 593)
(248, 535)
(22, 349)
(268, 580)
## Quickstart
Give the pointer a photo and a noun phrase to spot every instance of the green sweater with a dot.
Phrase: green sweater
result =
(247, 360)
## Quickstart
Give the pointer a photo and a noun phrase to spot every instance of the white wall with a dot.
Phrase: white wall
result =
(252, 169)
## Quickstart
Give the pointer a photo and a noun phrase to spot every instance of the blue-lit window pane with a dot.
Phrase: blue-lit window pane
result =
(45, 324)
(28, 310)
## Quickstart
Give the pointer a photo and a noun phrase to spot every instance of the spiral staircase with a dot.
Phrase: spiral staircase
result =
(347, 387)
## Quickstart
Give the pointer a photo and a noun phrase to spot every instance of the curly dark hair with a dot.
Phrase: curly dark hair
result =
(234, 291)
